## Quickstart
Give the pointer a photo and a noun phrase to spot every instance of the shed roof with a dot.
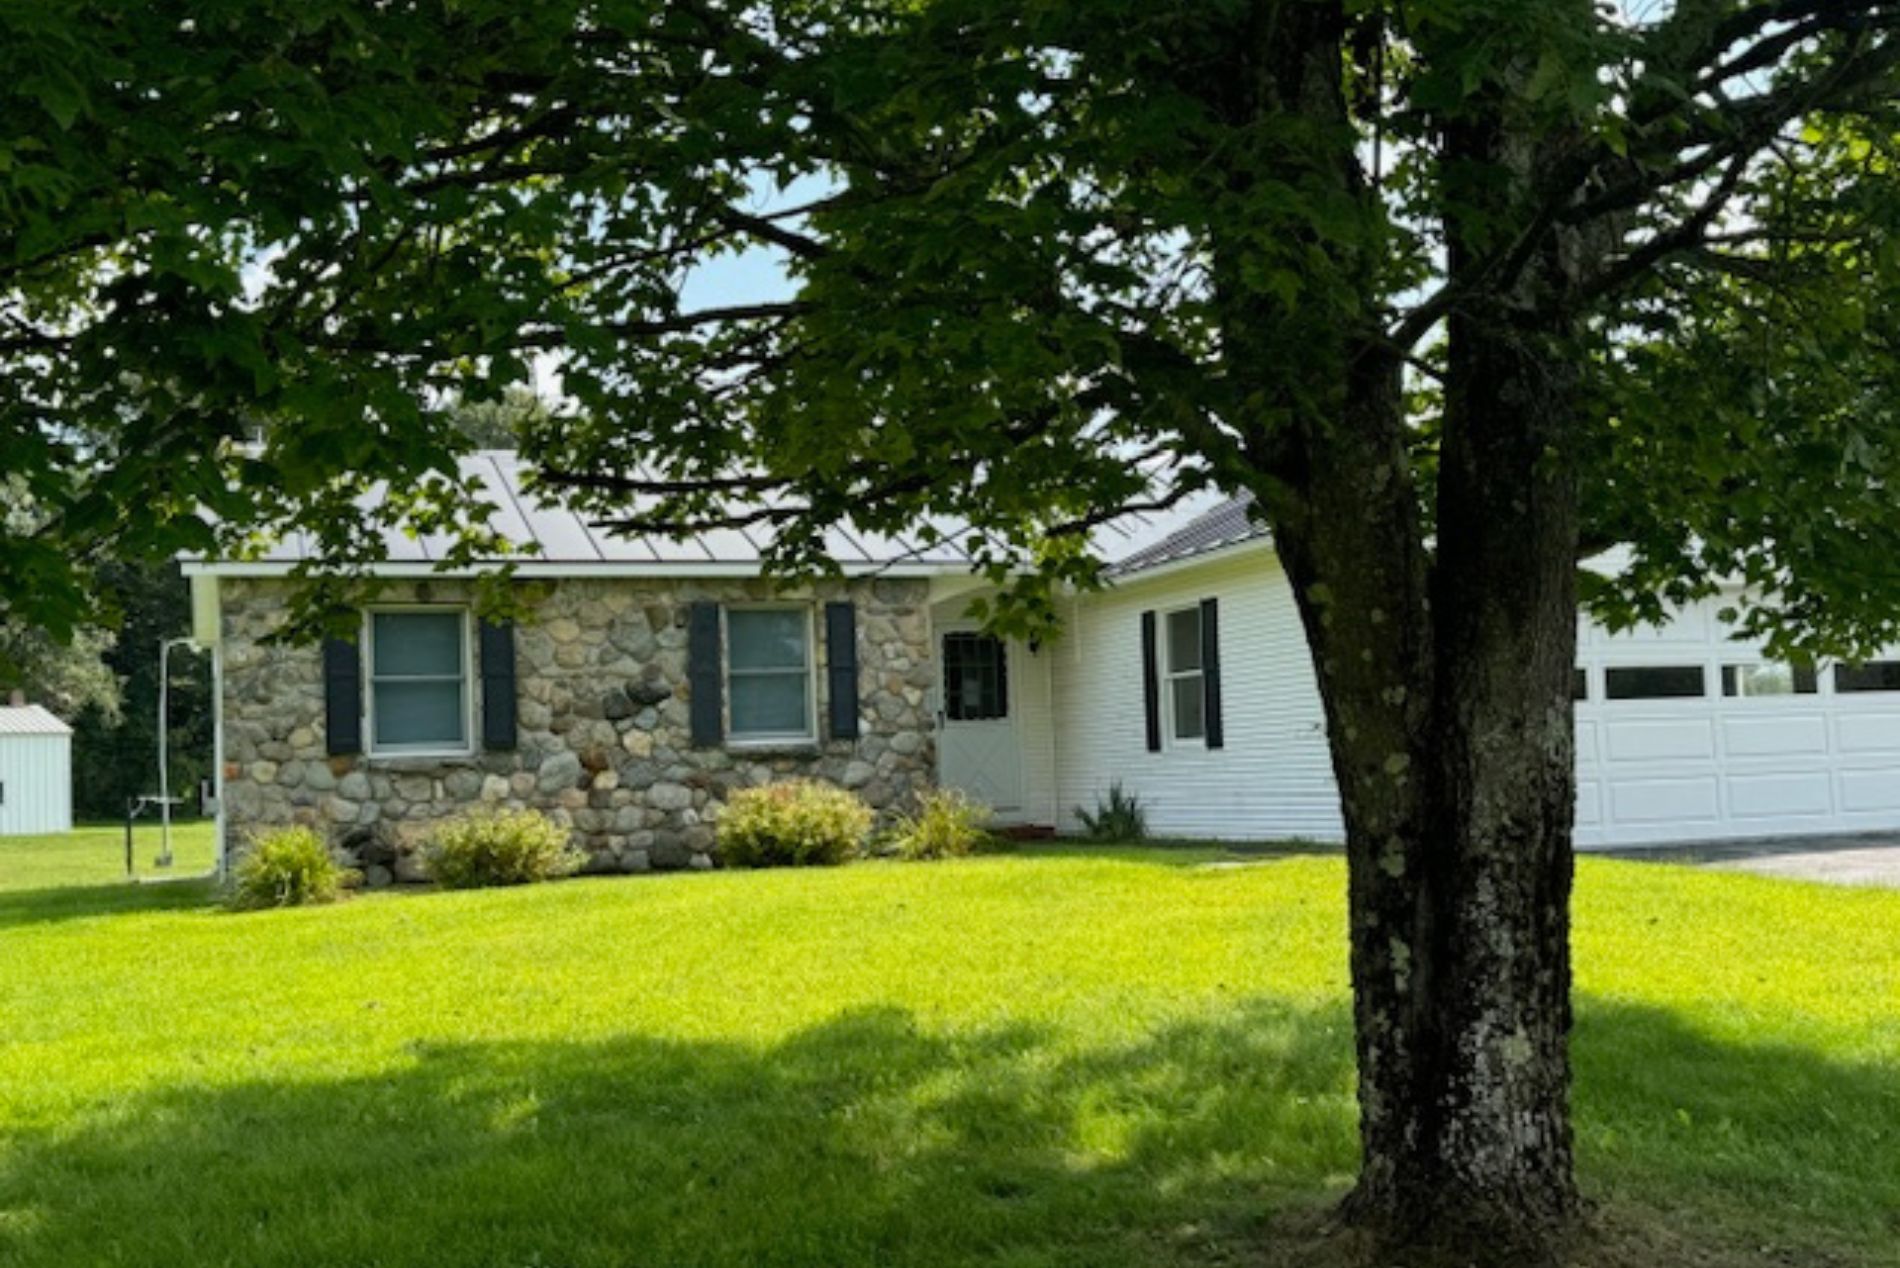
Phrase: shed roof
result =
(30, 719)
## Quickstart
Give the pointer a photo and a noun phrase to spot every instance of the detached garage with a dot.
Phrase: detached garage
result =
(36, 772)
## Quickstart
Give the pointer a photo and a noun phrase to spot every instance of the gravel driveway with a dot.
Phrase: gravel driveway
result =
(1839, 860)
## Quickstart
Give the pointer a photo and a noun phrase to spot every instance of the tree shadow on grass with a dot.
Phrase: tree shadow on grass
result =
(866, 1140)
(1775, 1141)
(874, 1140)
(20, 907)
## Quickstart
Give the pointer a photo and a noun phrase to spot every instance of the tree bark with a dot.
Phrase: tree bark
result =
(1445, 669)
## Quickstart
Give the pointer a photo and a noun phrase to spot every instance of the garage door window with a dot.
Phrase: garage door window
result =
(1769, 678)
(1875, 675)
(1654, 682)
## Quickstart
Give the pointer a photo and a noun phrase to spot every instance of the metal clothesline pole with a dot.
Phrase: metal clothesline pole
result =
(164, 748)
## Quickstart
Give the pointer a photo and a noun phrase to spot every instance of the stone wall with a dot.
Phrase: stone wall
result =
(603, 741)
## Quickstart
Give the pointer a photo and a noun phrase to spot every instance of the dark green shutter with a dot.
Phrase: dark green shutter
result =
(342, 697)
(1150, 682)
(1210, 672)
(841, 669)
(703, 675)
(498, 685)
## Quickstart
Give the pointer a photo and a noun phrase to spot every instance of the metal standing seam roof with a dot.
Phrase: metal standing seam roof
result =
(551, 534)
(1228, 524)
(30, 719)
(555, 538)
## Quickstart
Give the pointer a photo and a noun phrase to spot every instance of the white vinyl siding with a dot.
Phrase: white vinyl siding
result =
(36, 784)
(1274, 777)
(417, 681)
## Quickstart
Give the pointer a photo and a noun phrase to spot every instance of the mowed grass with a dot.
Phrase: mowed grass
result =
(94, 854)
(1067, 1057)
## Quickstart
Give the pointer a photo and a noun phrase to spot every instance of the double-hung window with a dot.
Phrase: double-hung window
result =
(769, 675)
(418, 681)
(1184, 675)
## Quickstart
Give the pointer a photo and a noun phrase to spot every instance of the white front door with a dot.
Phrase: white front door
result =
(977, 745)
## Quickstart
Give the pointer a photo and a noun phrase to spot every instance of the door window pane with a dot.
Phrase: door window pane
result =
(975, 677)
(1654, 682)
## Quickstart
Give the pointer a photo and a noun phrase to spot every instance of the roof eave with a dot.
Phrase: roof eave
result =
(556, 569)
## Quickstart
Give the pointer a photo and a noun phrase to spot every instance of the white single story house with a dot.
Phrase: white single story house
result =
(36, 771)
(652, 677)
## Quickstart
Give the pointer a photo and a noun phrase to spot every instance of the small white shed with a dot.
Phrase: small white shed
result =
(36, 772)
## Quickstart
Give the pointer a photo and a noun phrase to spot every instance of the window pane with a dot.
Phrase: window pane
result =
(1768, 679)
(769, 704)
(419, 713)
(975, 677)
(1653, 682)
(408, 643)
(1184, 640)
(1875, 675)
(1579, 684)
(770, 638)
(1190, 722)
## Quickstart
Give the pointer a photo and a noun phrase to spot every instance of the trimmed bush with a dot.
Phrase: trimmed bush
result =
(948, 825)
(500, 847)
(1117, 817)
(792, 824)
(290, 867)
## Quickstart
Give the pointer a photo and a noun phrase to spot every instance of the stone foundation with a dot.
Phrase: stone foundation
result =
(603, 744)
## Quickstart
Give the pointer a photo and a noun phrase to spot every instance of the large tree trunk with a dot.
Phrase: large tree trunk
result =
(1445, 666)
(1449, 723)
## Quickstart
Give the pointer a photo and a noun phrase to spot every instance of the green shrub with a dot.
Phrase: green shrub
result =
(791, 824)
(948, 824)
(1117, 817)
(500, 847)
(289, 868)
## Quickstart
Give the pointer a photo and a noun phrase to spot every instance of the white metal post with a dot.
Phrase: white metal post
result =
(164, 749)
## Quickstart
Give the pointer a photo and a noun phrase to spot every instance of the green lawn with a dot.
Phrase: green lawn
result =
(94, 854)
(1106, 1057)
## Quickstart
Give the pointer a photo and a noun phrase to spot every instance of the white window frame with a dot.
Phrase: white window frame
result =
(770, 739)
(370, 747)
(1169, 675)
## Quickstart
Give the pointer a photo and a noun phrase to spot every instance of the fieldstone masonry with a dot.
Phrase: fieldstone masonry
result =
(603, 741)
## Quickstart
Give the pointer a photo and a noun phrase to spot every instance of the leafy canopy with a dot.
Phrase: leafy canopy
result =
(1044, 261)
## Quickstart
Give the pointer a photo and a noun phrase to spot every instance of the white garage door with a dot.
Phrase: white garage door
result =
(1684, 734)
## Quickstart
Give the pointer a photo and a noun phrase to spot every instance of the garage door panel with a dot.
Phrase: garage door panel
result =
(1589, 804)
(1660, 739)
(1691, 626)
(1868, 732)
(1684, 800)
(1798, 794)
(1586, 745)
(1865, 790)
(1787, 735)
